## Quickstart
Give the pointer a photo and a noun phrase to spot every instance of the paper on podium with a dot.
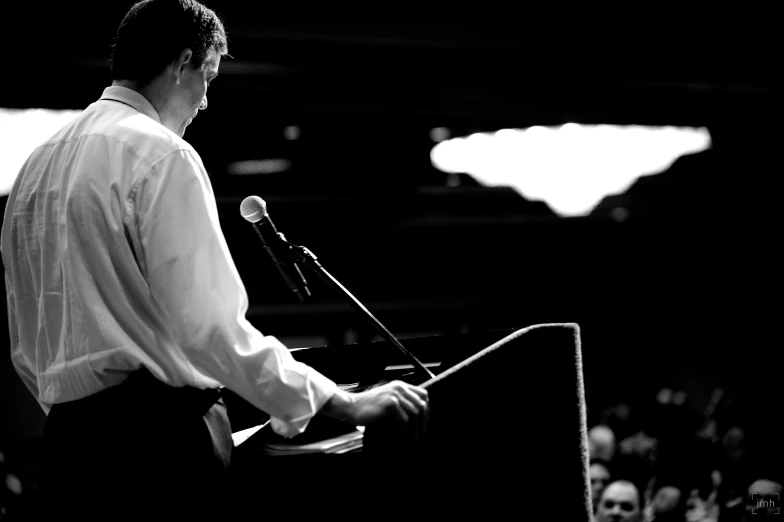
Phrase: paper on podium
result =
(321, 436)
(335, 445)
(243, 435)
(332, 445)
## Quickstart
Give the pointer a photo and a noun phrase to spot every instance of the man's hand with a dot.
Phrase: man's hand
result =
(397, 403)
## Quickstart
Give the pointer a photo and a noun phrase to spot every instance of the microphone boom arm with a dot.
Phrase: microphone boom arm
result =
(307, 258)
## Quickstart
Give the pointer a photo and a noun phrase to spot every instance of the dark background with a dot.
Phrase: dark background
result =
(684, 292)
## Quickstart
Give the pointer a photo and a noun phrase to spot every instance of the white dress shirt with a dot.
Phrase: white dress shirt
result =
(115, 260)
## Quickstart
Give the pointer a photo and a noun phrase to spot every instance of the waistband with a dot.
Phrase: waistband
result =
(143, 390)
(142, 382)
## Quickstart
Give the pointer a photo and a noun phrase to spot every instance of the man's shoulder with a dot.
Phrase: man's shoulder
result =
(146, 137)
(120, 134)
(109, 124)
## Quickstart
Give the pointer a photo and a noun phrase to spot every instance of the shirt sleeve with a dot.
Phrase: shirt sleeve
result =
(18, 359)
(194, 282)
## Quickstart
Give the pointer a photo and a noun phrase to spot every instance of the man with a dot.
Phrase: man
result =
(620, 502)
(668, 504)
(763, 500)
(601, 443)
(126, 312)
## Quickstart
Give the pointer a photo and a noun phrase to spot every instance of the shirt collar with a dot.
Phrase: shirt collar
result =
(132, 98)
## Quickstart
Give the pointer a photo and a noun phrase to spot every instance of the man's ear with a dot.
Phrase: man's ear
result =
(183, 61)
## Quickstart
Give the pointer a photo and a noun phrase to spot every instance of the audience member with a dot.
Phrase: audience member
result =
(736, 469)
(763, 500)
(601, 443)
(620, 502)
(666, 505)
(701, 507)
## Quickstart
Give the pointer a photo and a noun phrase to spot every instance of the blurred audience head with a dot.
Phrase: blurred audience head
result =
(664, 396)
(599, 471)
(641, 446)
(763, 500)
(701, 507)
(734, 443)
(668, 505)
(620, 502)
(601, 443)
(669, 396)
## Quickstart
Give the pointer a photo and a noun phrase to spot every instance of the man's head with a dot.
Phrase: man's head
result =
(169, 50)
(763, 500)
(601, 443)
(620, 502)
(734, 443)
(668, 503)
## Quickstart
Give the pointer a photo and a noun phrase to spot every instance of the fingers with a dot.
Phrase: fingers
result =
(405, 408)
(413, 409)
(412, 420)
(420, 392)
(418, 416)
(417, 397)
(398, 400)
(399, 408)
(408, 409)
(415, 393)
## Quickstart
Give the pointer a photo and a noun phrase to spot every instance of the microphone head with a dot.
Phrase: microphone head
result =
(253, 209)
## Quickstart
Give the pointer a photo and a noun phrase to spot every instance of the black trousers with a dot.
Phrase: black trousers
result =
(140, 450)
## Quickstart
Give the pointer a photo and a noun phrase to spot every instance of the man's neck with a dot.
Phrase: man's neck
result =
(154, 92)
(146, 91)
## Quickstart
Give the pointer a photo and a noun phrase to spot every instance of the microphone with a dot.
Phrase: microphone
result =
(254, 210)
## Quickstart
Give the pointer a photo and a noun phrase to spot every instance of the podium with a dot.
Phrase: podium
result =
(506, 436)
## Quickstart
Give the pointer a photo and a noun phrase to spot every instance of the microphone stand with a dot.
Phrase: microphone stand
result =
(302, 255)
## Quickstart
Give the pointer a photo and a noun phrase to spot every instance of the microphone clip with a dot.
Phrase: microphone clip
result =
(285, 257)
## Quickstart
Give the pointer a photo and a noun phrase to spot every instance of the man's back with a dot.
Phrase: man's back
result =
(70, 246)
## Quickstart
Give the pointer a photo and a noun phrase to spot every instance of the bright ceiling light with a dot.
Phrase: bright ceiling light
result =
(571, 167)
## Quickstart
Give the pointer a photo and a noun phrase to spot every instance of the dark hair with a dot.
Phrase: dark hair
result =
(153, 33)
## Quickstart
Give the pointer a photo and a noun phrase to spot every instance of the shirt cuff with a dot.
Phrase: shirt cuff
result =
(320, 389)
